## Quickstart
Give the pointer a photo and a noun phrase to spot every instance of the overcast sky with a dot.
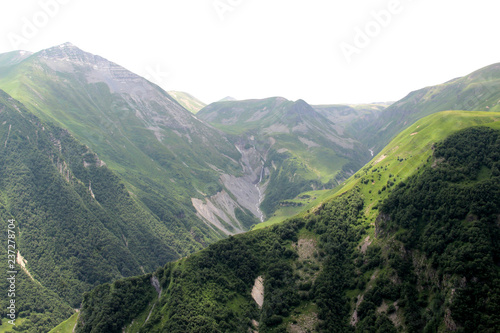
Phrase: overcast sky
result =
(322, 51)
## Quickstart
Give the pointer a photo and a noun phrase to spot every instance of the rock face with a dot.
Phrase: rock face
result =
(258, 291)
(246, 192)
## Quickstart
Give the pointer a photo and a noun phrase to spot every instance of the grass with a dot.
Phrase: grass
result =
(6, 327)
(401, 158)
(307, 199)
(66, 326)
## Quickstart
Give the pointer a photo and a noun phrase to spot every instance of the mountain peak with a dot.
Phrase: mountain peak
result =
(69, 58)
(69, 52)
(228, 99)
(67, 45)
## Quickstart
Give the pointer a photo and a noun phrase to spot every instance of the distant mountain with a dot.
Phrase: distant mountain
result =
(410, 244)
(228, 99)
(14, 57)
(301, 149)
(478, 91)
(188, 101)
(347, 117)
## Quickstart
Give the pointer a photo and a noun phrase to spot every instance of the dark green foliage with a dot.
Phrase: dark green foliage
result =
(450, 213)
(245, 217)
(110, 306)
(40, 307)
(337, 223)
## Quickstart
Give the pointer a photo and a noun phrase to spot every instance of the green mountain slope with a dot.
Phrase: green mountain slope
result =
(77, 225)
(478, 91)
(172, 162)
(188, 101)
(299, 147)
(366, 260)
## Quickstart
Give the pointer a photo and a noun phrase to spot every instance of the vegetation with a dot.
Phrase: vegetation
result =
(188, 101)
(409, 243)
(160, 152)
(432, 266)
(478, 91)
(66, 326)
(449, 213)
(405, 155)
(303, 149)
(77, 224)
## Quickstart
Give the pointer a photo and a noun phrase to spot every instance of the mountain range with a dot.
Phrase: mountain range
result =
(117, 186)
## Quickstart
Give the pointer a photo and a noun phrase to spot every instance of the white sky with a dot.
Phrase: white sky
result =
(263, 48)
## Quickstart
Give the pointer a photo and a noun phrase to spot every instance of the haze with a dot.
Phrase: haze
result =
(321, 51)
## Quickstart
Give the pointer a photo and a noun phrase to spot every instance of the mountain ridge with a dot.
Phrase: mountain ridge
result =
(477, 91)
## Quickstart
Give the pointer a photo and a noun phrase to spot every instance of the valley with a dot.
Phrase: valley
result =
(151, 211)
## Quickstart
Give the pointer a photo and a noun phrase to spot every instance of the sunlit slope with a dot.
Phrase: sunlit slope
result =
(188, 101)
(401, 158)
(477, 91)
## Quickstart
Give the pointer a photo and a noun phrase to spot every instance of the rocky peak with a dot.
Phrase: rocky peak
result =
(69, 58)
(69, 52)
(301, 108)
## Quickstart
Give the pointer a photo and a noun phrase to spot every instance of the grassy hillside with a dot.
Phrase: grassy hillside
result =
(478, 91)
(66, 326)
(12, 58)
(347, 118)
(188, 101)
(362, 261)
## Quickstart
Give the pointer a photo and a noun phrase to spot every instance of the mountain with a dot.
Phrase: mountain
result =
(12, 58)
(346, 117)
(77, 225)
(228, 99)
(374, 125)
(178, 167)
(478, 91)
(300, 148)
(108, 177)
(188, 101)
(410, 243)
